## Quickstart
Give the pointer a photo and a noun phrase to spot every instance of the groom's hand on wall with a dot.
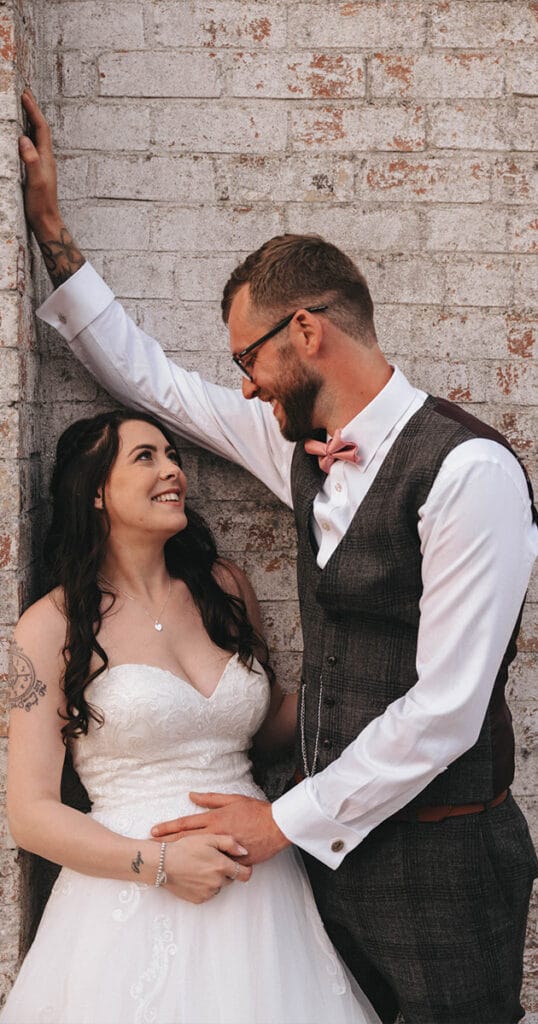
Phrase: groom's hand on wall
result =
(61, 254)
(248, 820)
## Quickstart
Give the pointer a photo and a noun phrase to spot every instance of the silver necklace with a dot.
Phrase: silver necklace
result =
(157, 624)
(310, 771)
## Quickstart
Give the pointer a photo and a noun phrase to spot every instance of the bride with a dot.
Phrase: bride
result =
(146, 660)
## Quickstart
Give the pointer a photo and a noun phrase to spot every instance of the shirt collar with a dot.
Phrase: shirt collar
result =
(373, 424)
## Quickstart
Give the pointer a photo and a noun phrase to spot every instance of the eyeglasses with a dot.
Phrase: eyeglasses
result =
(239, 357)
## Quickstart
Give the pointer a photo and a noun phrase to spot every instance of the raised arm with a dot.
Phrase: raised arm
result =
(60, 252)
(124, 359)
(39, 821)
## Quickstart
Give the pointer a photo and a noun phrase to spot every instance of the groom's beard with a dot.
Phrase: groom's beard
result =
(298, 397)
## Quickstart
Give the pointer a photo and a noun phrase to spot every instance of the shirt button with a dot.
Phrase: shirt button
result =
(332, 659)
(62, 318)
(326, 526)
(338, 487)
(337, 845)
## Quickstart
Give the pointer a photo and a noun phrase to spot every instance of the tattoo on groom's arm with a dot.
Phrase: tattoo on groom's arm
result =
(135, 864)
(24, 688)
(62, 257)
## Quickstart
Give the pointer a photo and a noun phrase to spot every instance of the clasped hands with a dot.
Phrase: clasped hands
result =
(247, 819)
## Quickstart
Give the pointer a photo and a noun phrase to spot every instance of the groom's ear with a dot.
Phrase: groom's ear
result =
(98, 500)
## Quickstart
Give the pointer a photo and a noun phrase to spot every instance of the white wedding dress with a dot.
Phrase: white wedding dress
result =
(110, 952)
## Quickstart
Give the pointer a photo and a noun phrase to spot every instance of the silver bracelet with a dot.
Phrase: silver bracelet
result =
(161, 876)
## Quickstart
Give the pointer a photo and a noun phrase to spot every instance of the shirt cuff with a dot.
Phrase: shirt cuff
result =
(299, 817)
(76, 303)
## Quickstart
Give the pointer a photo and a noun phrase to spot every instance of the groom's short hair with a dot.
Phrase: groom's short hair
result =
(292, 271)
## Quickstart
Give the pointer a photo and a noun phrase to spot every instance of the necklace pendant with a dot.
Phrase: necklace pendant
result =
(158, 626)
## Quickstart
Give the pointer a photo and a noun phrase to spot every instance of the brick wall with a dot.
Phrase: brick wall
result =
(20, 488)
(189, 132)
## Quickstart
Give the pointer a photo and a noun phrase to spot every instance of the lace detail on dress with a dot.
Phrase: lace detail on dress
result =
(129, 899)
(122, 951)
(332, 963)
(161, 739)
(154, 977)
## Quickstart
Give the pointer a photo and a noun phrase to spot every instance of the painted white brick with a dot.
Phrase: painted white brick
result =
(515, 381)
(77, 73)
(213, 230)
(480, 281)
(466, 228)
(396, 127)
(358, 25)
(110, 226)
(203, 278)
(134, 276)
(473, 124)
(317, 75)
(102, 125)
(160, 73)
(522, 73)
(424, 178)
(225, 24)
(95, 24)
(523, 231)
(177, 179)
(72, 177)
(459, 381)
(464, 23)
(359, 228)
(432, 76)
(515, 179)
(285, 179)
(526, 282)
(9, 319)
(184, 326)
(446, 332)
(238, 128)
(405, 279)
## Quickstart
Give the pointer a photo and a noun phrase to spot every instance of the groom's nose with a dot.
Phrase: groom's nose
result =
(249, 387)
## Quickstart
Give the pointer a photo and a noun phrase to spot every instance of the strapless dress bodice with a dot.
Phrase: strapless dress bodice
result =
(161, 738)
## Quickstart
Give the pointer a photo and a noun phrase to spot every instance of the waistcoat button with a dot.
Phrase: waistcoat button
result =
(332, 659)
(327, 744)
(329, 702)
(337, 846)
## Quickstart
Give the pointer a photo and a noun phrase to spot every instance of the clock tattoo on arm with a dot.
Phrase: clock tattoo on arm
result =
(25, 688)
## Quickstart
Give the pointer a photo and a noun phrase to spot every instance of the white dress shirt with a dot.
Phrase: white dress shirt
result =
(477, 539)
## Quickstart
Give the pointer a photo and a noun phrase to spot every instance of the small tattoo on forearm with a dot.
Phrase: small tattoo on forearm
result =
(62, 257)
(135, 864)
(24, 688)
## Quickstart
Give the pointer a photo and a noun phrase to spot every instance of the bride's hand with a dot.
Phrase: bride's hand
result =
(197, 867)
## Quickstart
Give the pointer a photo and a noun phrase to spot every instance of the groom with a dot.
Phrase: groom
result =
(415, 545)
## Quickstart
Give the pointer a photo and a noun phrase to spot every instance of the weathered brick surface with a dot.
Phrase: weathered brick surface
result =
(187, 133)
(428, 76)
(315, 75)
(159, 74)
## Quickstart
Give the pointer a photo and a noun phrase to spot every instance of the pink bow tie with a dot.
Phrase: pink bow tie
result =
(332, 450)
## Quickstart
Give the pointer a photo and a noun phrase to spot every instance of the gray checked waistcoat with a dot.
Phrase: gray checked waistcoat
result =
(360, 614)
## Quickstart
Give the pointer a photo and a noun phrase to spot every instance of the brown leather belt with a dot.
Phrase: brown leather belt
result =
(433, 814)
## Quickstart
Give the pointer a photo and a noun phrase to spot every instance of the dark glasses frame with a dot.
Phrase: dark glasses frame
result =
(239, 356)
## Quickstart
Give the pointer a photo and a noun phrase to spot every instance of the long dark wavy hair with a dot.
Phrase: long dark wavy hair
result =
(75, 549)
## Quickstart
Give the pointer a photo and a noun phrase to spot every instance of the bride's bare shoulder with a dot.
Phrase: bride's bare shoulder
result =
(44, 621)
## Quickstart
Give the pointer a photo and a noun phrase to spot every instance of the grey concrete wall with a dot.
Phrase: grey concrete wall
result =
(189, 132)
